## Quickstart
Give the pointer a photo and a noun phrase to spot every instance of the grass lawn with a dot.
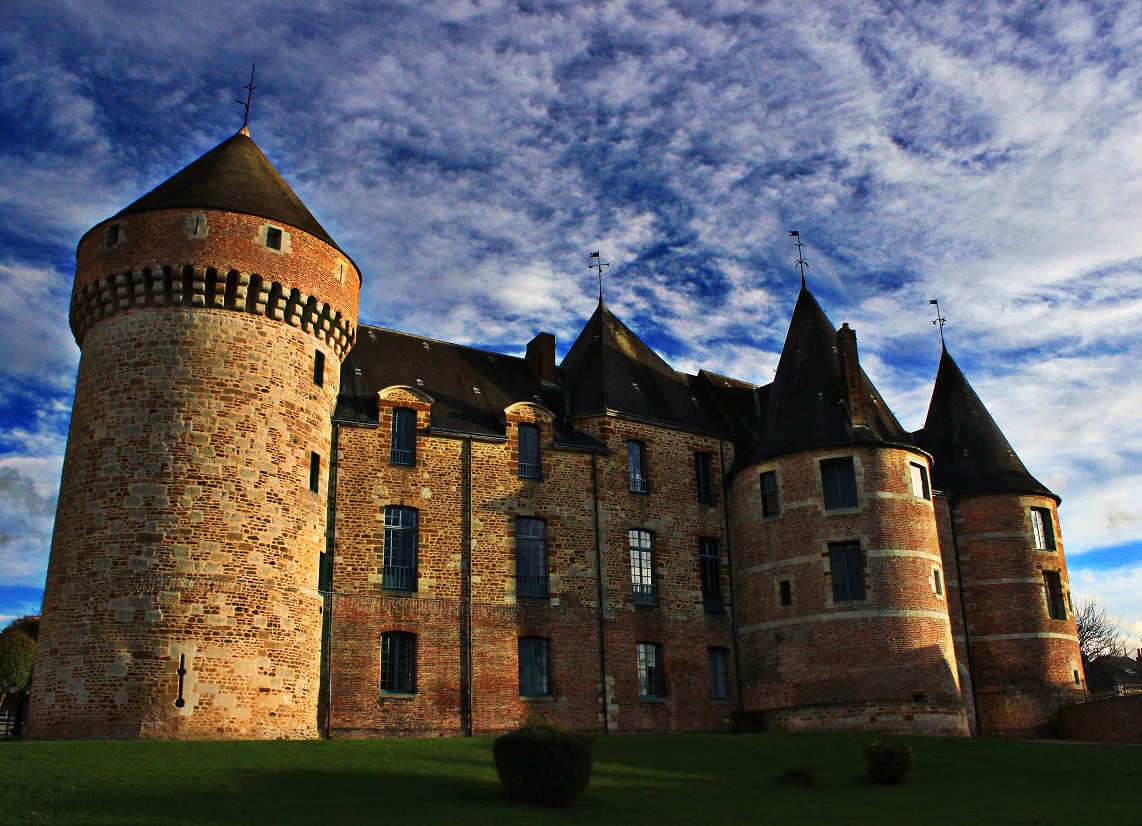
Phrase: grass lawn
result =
(638, 779)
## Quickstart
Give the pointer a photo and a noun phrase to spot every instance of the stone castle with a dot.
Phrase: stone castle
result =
(274, 522)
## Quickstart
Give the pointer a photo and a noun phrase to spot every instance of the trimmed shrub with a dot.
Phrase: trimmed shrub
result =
(543, 763)
(889, 760)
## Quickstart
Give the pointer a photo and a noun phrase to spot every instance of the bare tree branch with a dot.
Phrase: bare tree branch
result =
(1099, 634)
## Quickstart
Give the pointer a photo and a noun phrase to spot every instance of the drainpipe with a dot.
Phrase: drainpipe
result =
(325, 583)
(600, 592)
(964, 610)
(733, 590)
(466, 587)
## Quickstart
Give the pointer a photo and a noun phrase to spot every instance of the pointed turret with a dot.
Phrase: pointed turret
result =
(820, 396)
(610, 369)
(233, 177)
(971, 453)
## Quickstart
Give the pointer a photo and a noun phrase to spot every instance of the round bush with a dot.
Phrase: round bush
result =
(543, 763)
(889, 760)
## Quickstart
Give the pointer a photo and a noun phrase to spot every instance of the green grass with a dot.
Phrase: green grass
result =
(638, 780)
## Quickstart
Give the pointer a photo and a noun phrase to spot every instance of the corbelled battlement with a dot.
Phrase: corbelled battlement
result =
(208, 287)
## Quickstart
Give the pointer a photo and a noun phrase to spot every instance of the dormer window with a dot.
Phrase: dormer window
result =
(402, 450)
(528, 451)
(273, 238)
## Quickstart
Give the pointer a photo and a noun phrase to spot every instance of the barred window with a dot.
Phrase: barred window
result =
(847, 566)
(920, 488)
(1043, 528)
(398, 662)
(533, 667)
(710, 568)
(1053, 585)
(651, 682)
(528, 451)
(704, 477)
(642, 568)
(530, 557)
(399, 572)
(719, 673)
(770, 506)
(403, 447)
(636, 467)
(838, 479)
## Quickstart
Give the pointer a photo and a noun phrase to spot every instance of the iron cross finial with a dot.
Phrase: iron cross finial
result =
(249, 96)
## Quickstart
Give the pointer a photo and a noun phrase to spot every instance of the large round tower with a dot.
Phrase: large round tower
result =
(181, 599)
(839, 586)
(1020, 624)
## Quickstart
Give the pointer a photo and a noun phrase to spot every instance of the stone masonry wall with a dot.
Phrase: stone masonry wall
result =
(816, 663)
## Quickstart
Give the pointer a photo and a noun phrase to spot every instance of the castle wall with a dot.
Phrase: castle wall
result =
(1025, 663)
(498, 617)
(882, 662)
(181, 595)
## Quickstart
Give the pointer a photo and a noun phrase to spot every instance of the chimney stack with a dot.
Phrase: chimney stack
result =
(541, 357)
(850, 371)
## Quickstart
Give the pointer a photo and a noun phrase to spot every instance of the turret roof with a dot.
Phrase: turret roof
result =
(971, 453)
(610, 369)
(234, 176)
(807, 401)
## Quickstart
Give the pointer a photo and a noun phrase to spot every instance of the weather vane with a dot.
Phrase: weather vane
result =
(598, 265)
(801, 262)
(939, 322)
(249, 96)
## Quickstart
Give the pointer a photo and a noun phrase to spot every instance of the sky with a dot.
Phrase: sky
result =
(469, 156)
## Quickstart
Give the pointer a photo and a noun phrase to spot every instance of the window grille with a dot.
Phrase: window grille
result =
(704, 477)
(1043, 528)
(642, 568)
(399, 571)
(530, 558)
(838, 479)
(403, 447)
(636, 467)
(528, 451)
(534, 662)
(847, 566)
(710, 568)
(398, 662)
(651, 683)
(719, 673)
(770, 506)
(1053, 584)
(920, 488)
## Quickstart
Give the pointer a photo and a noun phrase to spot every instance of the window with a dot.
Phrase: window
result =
(1053, 584)
(847, 568)
(704, 477)
(636, 466)
(113, 236)
(920, 487)
(719, 673)
(273, 238)
(530, 558)
(838, 479)
(710, 567)
(403, 448)
(650, 678)
(318, 368)
(1043, 528)
(785, 592)
(937, 582)
(399, 572)
(642, 568)
(770, 506)
(528, 451)
(196, 225)
(533, 665)
(314, 472)
(398, 662)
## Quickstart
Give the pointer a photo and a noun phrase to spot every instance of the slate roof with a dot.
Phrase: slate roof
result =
(971, 455)
(610, 369)
(806, 406)
(236, 177)
(449, 374)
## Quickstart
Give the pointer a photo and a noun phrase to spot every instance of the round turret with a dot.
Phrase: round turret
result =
(181, 599)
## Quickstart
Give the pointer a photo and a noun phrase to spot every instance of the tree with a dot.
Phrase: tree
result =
(1099, 634)
(17, 650)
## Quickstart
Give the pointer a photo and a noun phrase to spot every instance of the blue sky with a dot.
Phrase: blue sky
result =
(469, 155)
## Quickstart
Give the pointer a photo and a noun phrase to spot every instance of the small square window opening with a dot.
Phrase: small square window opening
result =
(273, 238)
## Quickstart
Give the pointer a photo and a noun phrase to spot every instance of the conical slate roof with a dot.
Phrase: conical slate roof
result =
(971, 454)
(236, 177)
(610, 369)
(807, 401)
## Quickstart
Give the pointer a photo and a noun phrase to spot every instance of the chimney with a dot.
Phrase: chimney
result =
(541, 357)
(850, 373)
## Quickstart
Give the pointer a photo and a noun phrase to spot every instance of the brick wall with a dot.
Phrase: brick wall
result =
(1109, 720)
